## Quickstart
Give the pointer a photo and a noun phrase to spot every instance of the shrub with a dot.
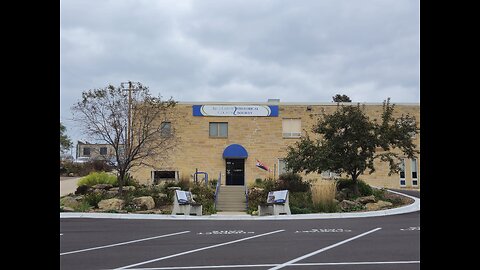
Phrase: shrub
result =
(255, 198)
(130, 181)
(94, 198)
(267, 184)
(205, 195)
(82, 207)
(95, 178)
(213, 183)
(344, 183)
(323, 195)
(298, 210)
(363, 188)
(292, 182)
(300, 199)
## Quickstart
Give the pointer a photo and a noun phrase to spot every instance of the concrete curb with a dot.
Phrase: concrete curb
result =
(415, 206)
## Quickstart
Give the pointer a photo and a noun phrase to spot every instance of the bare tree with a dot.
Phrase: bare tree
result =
(131, 120)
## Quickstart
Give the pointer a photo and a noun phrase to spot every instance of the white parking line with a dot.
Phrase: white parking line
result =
(198, 249)
(269, 265)
(123, 243)
(322, 250)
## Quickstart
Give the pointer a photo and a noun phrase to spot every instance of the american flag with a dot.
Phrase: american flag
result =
(262, 166)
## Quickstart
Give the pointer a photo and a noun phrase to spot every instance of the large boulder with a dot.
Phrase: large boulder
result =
(366, 199)
(102, 186)
(347, 205)
(111, 204)
(378, 205)
(144, 203)
(82, 190)
(125, 188)
(70, 202)
(397, 198)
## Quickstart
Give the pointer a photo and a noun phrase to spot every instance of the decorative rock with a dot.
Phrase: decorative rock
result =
(346, 205)
(69, 202)
(341, 195)
(378, 205)
(174, 188)
(111, 204)
(144, 203)
(125, 188)
(129, 188)
(67, 209)
(102, 186)
(162, 195)
(366, 199)
(82, 189)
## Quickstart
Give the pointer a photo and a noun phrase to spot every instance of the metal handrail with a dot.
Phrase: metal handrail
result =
(246, 197)
(217, 189)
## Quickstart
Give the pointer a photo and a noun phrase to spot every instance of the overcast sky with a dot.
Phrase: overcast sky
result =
(245, 50)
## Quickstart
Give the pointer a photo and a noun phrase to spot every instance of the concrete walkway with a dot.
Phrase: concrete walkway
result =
(68, 185)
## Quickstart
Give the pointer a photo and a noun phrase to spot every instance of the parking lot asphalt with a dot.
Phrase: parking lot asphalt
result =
(387, 242)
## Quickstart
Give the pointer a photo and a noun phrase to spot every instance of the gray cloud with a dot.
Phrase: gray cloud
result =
(213, 50)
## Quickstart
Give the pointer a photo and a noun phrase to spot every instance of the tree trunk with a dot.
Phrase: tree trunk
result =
(120, 179)
(356, 191)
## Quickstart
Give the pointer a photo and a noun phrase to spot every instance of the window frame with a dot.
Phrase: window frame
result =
(403, 182)
(166, 133)
(414, 164)
(217, 128)
(290, 135)
(89, 150)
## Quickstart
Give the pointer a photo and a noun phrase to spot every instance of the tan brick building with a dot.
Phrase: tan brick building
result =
(94, 151)
(227, 139)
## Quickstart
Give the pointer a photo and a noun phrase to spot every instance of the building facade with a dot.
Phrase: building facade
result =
(240, 142)
(94, 151)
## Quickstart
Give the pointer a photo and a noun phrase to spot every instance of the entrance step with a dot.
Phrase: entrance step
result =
(231, 199)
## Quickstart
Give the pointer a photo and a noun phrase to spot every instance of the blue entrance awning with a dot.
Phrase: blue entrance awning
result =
(235, 151)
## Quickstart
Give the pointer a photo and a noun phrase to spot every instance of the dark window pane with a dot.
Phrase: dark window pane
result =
(86, 151)
(103, 150)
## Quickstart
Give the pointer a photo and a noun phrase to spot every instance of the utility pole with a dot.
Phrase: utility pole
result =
(128, 142)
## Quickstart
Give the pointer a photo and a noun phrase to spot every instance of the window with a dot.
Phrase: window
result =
(414, 172)
(218, 130)
(103, 151)
(86, 151)
(292, 128)
(282, 164)
(329, 175)
(166, 129)
(402, 173)
(164, 176)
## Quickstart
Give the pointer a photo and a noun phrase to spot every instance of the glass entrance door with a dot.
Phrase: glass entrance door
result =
(235, 172)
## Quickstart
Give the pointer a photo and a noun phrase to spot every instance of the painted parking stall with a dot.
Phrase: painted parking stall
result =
(259, 244)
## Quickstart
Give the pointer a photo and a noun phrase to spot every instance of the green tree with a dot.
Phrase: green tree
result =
(131, 121)
(65, 142)
(341, 98)
(349, 141)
